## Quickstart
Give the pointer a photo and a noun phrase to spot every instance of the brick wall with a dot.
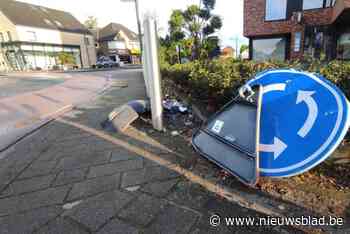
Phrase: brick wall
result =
(255, 24)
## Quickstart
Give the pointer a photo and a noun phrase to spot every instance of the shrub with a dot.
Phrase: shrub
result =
(339, 73)
(218, 79)
(179, 73)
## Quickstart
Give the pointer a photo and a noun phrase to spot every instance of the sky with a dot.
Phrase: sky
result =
(106, 11)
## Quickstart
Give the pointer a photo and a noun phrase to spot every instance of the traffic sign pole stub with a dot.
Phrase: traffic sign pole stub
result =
(303, 120)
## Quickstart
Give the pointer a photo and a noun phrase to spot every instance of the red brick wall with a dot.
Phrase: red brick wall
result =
(255, 24)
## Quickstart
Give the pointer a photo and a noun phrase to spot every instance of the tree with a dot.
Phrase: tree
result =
(66, 58)
(194, 25)
(91, 22)
(243, 49)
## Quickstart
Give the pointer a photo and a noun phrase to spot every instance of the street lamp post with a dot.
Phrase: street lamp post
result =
(235, 40)
(137, 9)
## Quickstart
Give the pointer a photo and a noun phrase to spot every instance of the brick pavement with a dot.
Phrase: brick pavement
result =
(63, 179)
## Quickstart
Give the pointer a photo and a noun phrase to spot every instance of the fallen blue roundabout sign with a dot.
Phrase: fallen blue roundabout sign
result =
(304, 118)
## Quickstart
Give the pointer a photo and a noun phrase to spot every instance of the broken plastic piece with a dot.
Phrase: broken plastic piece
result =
(122, 117)
(174, 106)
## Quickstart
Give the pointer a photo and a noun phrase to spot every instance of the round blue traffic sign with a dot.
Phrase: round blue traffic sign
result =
(304, 118)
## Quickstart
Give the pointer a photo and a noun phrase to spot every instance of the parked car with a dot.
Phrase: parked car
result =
(106, 62)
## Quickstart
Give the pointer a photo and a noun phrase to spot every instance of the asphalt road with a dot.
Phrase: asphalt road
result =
(29, 100)
(15, 85)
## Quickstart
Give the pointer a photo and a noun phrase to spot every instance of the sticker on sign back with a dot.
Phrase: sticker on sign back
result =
(218, 126)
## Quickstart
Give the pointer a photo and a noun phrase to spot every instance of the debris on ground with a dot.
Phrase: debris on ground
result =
(174, 106)
(224, 175)
(121, 117)
(140, 106)
(175, 133)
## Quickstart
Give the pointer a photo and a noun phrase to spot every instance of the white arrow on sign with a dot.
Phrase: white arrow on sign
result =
(277, 148)
(274, 87)
(306, 96)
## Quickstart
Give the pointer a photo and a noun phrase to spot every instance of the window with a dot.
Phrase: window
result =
(276, 10)
(312, 4)
(112, 45)
(297, 42)
(2, 39)
(9, 37)
(328, 3)
(344, 46)
(272, 48)
(319, 42)
(31, 36)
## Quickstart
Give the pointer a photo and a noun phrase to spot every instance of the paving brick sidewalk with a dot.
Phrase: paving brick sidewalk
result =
(64, 179)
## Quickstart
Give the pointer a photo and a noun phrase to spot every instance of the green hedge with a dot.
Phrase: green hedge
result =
(220, 78)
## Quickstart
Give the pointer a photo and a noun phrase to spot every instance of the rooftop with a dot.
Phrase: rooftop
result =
(26, 14)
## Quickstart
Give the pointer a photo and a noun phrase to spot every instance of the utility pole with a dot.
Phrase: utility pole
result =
(235, 40)
(139, 24)
(236, 47)
(137, 10)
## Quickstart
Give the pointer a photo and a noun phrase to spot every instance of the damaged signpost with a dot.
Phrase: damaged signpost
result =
(152, 71)
(123, 116)
(304, 118)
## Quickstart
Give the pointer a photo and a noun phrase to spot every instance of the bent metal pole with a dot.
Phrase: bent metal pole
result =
(152, 71)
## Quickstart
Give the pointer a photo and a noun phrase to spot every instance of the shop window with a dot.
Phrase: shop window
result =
(265, 49)
(276, 10)
(318, 42)
(344, 46)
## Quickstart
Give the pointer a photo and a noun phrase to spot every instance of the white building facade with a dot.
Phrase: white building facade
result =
(40, 42)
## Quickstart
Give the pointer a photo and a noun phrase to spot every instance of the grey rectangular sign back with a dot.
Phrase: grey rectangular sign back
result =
(230, 138)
